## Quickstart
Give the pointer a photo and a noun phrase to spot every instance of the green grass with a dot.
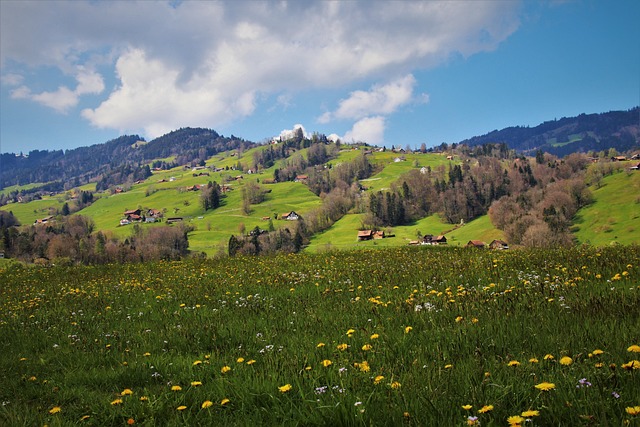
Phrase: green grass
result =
(479, 229)
(7, 190)
(614, 217)
(438, 328)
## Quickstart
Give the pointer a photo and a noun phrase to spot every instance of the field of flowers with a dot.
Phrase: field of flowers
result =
(404, 336)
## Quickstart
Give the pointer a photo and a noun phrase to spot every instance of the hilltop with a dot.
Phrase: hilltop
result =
(587, 132)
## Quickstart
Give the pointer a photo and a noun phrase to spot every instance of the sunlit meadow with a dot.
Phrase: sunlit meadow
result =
(405, 336)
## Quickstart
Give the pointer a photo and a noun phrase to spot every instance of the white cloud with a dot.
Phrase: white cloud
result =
(384, 99)
(211, 62)
(290, 133)
(11, 79)
(368, 129)
(63, 98)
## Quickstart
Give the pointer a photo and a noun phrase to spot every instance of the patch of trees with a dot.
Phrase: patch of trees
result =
(71, 239)
(125, 174)
(263, 242)
(210, 196)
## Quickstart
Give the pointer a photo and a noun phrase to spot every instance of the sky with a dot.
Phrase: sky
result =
(78, 73)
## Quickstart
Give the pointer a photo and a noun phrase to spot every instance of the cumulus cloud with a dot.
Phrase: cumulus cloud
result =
(381, 99)
(210, 62)
(290, 133)
(368, 129)
(63, 98)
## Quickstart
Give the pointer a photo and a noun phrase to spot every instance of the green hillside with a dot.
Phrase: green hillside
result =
(614, 217)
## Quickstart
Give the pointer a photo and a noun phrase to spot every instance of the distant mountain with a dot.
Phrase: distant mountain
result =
(586, 132)
(75, 167)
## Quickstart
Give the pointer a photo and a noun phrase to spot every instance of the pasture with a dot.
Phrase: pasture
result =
(396, 336)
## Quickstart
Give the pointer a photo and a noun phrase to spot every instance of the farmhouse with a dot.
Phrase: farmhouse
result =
(430, 239)
(499, 244)
(174, 219)
(132, 212)
(301, 178)
(44, 220)
(365, 235)
(290, 216)
(378, 234)
(476, 244)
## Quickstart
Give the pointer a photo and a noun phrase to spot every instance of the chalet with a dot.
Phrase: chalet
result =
(499, 244)
(618, 159)
(439, 240)
(365, 235)
(635, 157)
(193, 188)
(290, 216)
(132, 212)
(154, 213)
(174, 219)
(44, 220)
(302, 178)
(476, 244)
(430, 239)
(378, 234)
(635, 168)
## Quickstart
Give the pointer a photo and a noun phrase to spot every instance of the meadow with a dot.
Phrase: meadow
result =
(396, 336)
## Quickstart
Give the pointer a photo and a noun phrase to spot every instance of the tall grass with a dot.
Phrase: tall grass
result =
(404, 336)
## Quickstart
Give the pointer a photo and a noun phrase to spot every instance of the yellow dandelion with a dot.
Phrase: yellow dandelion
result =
(408, 329)
(147, 354)
(459, 319)
(513, 363)
(545, 386)
(375, 336)
(251, 362)
(85, 417)
(548, 357)
(181, 408)
(367, 347)
(632, 410)
(131, 421)
(285, 388)
(530, 413)
(240, 360)
(224, 402)
(634, 348)
(126, 392)
(395, 385)
(197, 362)
(566, 361)
(342, 347)
(176, 388)
(206, 404)
(533, 360)
(196, 383)
(320, 345)
(597, 352)
(33, 378)
(449, 366)
(116, 402)
(485, 409)
(515, 420)
(378, 379)
(634, 364)
(364, 366)
(467, 407)
(599, 365)
(225, 369)
(144, 399)
(55, 410)
(350, 332)
(326, 363)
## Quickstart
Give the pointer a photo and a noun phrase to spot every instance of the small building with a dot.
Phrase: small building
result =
(44, 220)
(125, 222)
(499, 244)
(439, 240)
(378, 234)
(476, 244)
(174, 219)
(618, 159)
(132, 212)
(365, 235)
(302, 178)
(290, 216)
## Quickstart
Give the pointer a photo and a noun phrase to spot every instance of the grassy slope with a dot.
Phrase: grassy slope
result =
(615, 214)
(612, 217)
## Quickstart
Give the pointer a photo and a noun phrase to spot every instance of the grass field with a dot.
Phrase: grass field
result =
(614, 217)
(401, 336)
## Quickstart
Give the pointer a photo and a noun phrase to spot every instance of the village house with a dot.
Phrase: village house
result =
(44, 220)
(365, 235)
(499, 244)
(290, 216)
(476, 244)
(430, 239)
(301, 178)
(378, 234)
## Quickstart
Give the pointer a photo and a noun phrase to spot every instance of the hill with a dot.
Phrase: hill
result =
(123, 157)
(587, 132)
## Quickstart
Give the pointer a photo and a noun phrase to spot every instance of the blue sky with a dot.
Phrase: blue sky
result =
(77, 73)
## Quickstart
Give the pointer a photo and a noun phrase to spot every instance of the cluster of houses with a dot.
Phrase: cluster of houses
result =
(370, 234)
(495, 244)
(136, 215)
